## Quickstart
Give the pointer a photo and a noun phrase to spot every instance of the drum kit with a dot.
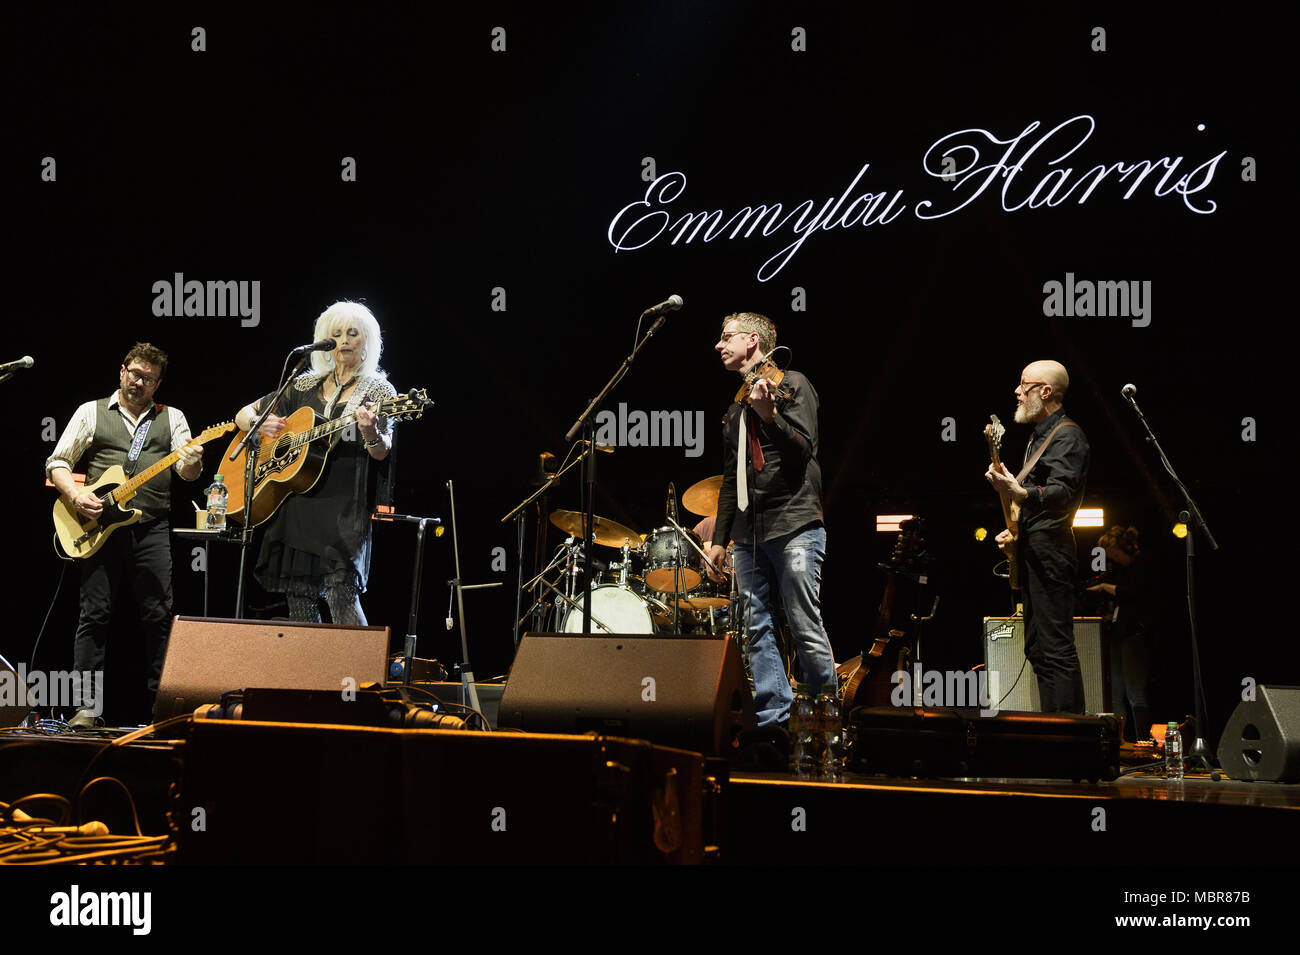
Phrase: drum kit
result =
(652, 578)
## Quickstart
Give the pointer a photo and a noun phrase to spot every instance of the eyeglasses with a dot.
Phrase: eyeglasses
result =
(1027, 386)
(728, 336)
(146, 380)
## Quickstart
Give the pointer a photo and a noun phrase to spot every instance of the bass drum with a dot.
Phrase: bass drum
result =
(618, 608)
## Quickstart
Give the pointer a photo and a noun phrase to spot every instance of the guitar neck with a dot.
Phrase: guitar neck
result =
(321, 430)
(127, 488)
(124, 491)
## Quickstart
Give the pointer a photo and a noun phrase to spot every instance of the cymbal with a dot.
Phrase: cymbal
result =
(702, 497)
(606, 532)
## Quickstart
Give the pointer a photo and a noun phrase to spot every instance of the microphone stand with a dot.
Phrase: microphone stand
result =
(468, 692)
(586, 424)
(517, 513)
(1194, 520)
(252, 442)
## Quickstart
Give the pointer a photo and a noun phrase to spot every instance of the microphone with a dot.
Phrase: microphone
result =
(27, 361)
(1128, 391)
(325, 344)
(671, 509)
(671, 304)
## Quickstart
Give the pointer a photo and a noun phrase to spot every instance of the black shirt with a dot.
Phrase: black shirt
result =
(1056, 483)
(787, 494)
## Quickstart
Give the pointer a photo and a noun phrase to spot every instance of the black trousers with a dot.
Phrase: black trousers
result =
(1048, 571)
(139, 555)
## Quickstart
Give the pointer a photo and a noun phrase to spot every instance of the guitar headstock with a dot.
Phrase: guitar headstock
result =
(910, 542)
(216, 431)
(993, 433)
(405, 407)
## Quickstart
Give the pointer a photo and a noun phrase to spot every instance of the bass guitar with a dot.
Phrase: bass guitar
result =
(292, 462)
(79, 537)
(993, 433)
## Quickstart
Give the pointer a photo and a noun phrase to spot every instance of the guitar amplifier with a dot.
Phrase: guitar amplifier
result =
(1004, 654)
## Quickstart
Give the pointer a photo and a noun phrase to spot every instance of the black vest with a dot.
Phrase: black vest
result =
(111, 445)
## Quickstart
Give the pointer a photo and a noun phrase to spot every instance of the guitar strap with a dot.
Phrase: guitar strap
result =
(1029, 465)
(137, 443)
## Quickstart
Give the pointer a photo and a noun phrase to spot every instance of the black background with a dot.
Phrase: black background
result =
(479, 169)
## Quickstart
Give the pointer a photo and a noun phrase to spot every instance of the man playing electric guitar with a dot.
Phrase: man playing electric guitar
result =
(129, 430)
(1057, 460)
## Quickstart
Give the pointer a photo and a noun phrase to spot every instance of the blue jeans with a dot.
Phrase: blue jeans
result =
(793, 565)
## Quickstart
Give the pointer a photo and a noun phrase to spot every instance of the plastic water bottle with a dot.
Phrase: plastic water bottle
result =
(832, 749)
(803, 724)
(217, 495)
(1173, 752)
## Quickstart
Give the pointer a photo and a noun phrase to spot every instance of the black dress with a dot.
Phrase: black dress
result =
(321, 540)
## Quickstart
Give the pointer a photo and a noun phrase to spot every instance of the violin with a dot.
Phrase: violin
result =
(765, 368)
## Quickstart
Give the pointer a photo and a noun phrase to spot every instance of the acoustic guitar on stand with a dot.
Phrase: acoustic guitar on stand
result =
(79, 537)
(292, 462)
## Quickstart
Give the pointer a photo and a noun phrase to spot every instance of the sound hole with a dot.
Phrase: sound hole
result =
(1251, 732)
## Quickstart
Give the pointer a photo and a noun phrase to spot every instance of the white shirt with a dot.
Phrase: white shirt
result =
(80, 432)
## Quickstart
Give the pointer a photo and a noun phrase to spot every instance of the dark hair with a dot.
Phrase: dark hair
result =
(151, 354)
(1121, 538)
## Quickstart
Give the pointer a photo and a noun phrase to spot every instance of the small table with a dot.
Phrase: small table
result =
(228, 534)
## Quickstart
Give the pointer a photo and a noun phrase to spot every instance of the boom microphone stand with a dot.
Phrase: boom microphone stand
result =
(1194, 520)
(586, 424)
(252, 442)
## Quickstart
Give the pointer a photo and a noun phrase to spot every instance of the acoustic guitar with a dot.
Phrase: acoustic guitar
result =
(79, 537)
(292, 462)
(868, 679)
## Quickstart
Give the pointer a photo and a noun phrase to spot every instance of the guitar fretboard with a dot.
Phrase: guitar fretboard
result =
(124, 491)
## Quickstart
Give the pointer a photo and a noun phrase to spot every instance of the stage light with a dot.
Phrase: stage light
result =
(891, 523)
(1089, 517)
(1180, 530)
(981, 533)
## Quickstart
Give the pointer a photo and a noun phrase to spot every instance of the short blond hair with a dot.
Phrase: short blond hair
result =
(754, 322)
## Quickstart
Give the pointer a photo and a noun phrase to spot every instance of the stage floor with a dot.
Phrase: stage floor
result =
(441, 781)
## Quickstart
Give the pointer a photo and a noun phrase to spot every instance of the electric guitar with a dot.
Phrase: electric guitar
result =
(292, 462)
(79, 537)
(993, 433)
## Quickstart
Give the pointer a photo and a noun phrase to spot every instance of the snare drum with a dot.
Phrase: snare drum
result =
(618, 608)
(660, 561)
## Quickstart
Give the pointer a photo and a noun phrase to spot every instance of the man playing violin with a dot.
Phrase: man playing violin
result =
(771, 505)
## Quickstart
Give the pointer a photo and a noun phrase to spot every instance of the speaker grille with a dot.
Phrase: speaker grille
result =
(1004, 654)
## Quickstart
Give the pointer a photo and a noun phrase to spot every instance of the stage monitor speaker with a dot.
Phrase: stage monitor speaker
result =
(1004, 654)
(1262, 739)
(688, 692)
(13, 696)
(207, 656)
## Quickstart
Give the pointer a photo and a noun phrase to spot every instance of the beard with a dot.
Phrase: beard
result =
(1030, 409)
